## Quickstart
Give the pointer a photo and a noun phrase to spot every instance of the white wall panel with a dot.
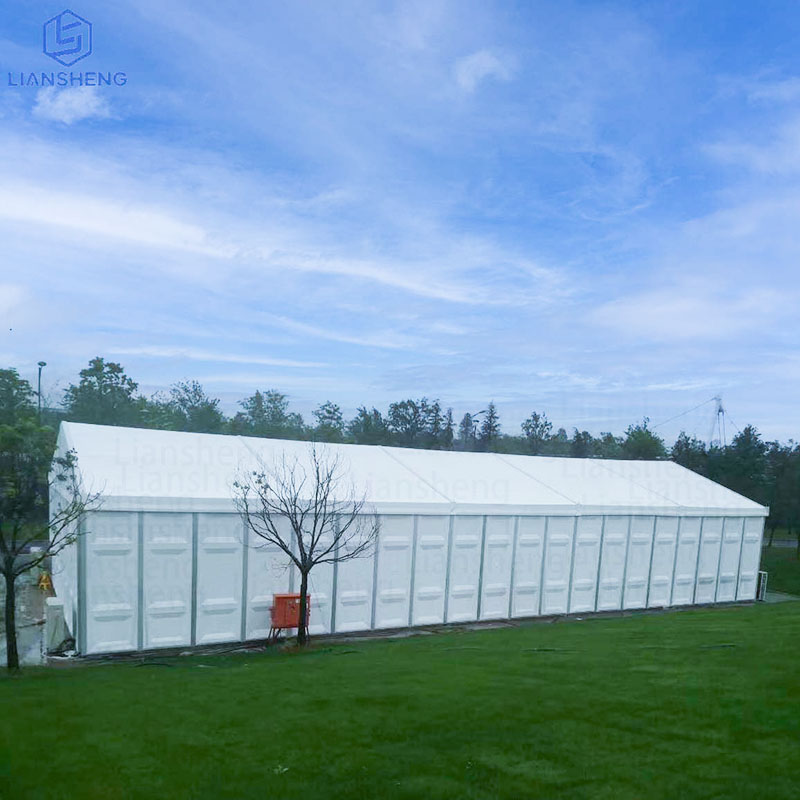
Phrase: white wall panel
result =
(167, 575)
(268, 573)
(612, 563)
(112, 581)
(557, 564)
(528, 567)
(686, 561)
(430, 573)
(662, 562)
(354, 594)
(585, 563)
(750, 558)
(708, 560)
(320, 588)
(219, 578)
(394, 553)
(465, 564)
(497, 553)
(729, 559)
(637, 570)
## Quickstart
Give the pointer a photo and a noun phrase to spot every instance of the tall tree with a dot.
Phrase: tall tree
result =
(490, 428)
(105, 395)
(537, 429)
(747, 464)
(368, 427)
(448, 431)
(582, 444)
(433, 424)
(467, 433)
(690, 452)
(641, 443)
(608, 446)
(194, 410)
(27, 479)
(406, 421)
(16, 398)
(328, 522)
(267, 414)
(330, 423)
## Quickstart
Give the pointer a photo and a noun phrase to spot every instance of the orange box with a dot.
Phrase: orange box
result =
(285, 610)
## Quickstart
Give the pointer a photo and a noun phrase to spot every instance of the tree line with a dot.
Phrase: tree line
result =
(767, 472)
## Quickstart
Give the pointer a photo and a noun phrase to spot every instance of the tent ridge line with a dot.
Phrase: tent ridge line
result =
(636, 483)
(535, 479)
(418, 476)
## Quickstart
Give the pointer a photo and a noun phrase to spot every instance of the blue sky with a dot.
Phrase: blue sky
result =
(590, 209)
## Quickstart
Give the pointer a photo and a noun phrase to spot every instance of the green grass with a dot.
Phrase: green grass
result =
(696, 704)
(783, 567)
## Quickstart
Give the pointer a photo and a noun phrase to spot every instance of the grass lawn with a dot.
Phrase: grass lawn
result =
(783, 567)
(696, 704)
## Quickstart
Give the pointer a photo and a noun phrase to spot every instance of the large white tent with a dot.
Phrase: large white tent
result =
(167, 562)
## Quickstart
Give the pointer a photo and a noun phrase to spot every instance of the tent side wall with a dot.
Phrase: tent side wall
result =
(145, 580)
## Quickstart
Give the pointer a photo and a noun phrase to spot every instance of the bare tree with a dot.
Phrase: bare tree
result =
(24, 490)
(328, 522)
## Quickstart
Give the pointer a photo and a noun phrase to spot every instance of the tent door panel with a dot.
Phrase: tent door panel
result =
(612, 563)
(750, 558)
(219, 578)
(662, 562)
(686, 561)
(558, 564)
(585, 567)
(167, 575)
(729, 559)
(708, 561)
(430, 566)
(394, 553)
(528, 567)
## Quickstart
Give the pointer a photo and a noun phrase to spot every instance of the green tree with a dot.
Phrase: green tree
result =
(608, 446)
(105, 395)
(27, 476)
(490, 428)
(330, 423)
(537, 429)
(433, 422)
(467, 433)
(16, 398)
(746, 468)
(368, 427)
(193, 410)
(159, 413)
(690, 452)
(582, 444)
(558, 444)
(642, 444)
(267, 414)
(406, 421)
(448, 431)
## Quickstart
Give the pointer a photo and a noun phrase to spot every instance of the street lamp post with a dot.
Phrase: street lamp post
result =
(39, 391)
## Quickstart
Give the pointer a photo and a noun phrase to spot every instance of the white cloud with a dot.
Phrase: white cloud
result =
(778, 155)
(71, 105)
(102, 216)
(690, 311)
(195, 354)
(473, 69)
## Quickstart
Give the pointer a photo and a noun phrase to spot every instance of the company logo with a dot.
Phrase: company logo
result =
(67, 38)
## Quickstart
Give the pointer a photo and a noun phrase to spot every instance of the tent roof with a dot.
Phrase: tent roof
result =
(148, 470)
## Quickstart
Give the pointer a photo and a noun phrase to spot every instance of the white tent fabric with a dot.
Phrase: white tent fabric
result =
(464, 537)
(138, 469)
